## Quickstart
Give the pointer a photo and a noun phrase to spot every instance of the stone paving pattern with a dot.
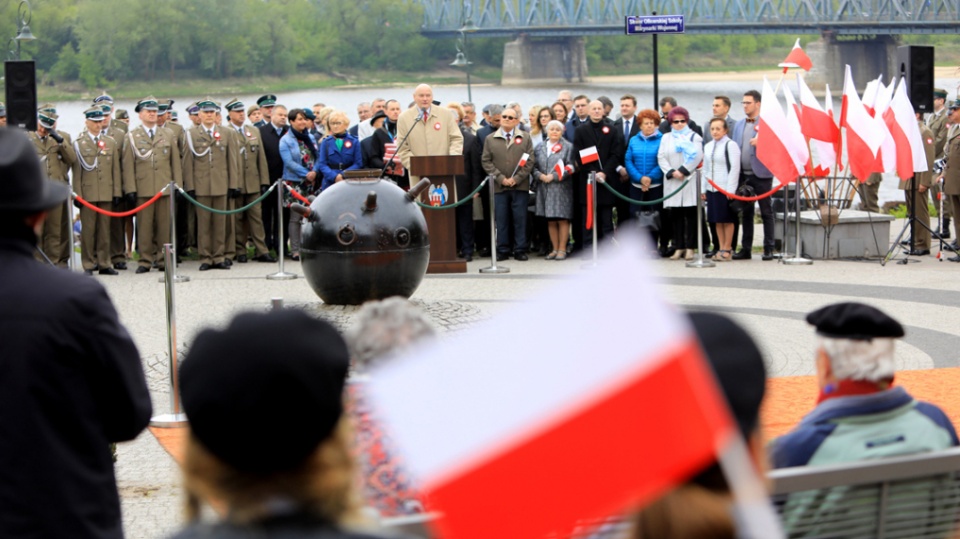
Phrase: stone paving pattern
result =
(769, 298)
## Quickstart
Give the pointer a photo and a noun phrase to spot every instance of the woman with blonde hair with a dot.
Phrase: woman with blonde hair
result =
(339, 151)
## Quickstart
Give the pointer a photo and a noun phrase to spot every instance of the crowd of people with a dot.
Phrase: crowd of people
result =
(540, 163)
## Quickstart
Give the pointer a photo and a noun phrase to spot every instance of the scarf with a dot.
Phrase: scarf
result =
(390, 128)
(304, 138)
(339, 140)
(683, 144)
(848, 388)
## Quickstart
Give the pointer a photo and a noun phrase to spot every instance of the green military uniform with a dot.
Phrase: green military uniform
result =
(921, 211)
(186, 213)
(937, 122)
(96, 179)
(56, 239)
(210, 170)
(254, 179)
(151, 160)
(118, 225)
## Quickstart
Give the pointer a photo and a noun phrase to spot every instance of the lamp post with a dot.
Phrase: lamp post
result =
(24, 14)
(461, 60)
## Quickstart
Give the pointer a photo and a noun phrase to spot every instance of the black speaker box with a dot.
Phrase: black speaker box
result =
(915, 65)
(21, 84)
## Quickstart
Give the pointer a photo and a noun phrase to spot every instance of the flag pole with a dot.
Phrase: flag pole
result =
(592, 185)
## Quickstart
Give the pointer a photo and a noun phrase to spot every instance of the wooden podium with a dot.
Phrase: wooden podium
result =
(441, 224)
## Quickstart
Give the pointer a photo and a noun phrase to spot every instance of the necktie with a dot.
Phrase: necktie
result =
(151, 133)
(210, 132)
(425, 116)
(626, 130)
(279, 132)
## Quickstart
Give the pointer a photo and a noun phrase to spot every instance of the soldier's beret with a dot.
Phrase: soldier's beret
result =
(147, 103)
(940, 92)
(234, 104)
(268, 100)
(47, 119)
(855, 321)
(94, 113)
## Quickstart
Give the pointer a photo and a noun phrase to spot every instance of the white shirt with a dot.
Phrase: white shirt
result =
(365, 129)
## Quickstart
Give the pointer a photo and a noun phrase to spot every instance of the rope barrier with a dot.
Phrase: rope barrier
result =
(226, 212)
(644, 202)
(121, 213)
(461, 202)
(734, 196)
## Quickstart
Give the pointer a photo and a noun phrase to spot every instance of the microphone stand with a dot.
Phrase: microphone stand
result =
(401, 143)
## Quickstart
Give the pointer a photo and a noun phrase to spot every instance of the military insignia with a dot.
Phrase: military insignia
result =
(216, 137)
(348, 144)
(436, 126)
(438, 194)
(605, 130)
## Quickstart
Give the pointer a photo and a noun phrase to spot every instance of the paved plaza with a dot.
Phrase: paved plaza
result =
(769, 298)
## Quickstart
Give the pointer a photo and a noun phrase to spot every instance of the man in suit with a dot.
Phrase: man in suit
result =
(210, 174)
(270, 134)
(937, 122)
(627, 125)
(579, 117)
(254, 181)
(151, 161)
(432, 130)
(502, 159)
(917, 190)
(754, 174)
(472, 175)
(599, 132)
(72, 380)
(56, 154)
(96, 179)
(492, 123)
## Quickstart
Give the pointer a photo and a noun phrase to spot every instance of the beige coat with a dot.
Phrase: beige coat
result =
(102, 183)
(210, 165)
(938, 125)
(439, 135)
(951, 172)
(150, 165)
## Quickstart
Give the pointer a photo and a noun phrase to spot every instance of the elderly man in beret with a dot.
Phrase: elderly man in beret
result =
(71, 380)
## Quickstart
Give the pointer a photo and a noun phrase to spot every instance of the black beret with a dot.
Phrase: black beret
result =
(263, 393)
(737, 363)
(853, 321)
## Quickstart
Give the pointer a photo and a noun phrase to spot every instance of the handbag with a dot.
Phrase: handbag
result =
(738, 206)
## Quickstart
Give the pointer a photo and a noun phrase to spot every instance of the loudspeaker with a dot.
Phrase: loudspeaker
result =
(21, 84)
(915, 65)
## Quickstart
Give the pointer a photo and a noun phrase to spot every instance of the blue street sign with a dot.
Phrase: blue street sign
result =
(654, 24)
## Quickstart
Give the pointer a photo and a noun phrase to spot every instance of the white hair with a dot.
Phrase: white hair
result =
(853, 359)
(556, 123)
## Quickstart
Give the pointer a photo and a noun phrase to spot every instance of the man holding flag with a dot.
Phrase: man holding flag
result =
(506, 157)
(599, 145)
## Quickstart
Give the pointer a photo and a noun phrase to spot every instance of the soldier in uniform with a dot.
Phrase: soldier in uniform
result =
(151, 161)
(186, 216)
(951, 170)
(121, 120)
(209, 173)
(194, 111)
(96, 179)
(266, 104)
(920, 185)
(164, 115)
(254, 181)
(56, 154)
(121, 228)
(937, 122)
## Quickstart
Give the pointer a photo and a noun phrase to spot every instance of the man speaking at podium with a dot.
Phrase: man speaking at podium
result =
(426, 129)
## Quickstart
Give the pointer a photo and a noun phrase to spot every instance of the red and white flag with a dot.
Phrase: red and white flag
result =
(888, 148)
(589, 155)
(796, 58)
(862, 138)
(523, 160)
(818, 125)
(559, 169)
(779, 147)
(902, 124)
(531, 439)
(801, 153)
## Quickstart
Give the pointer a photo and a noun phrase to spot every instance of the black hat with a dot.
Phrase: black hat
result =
(377, 115)
(290, 389)
(23, 185)
(737, 363)
(854, 321)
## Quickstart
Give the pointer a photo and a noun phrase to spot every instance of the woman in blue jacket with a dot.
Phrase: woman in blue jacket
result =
(338, 152)
(298, 149)
(646, 176)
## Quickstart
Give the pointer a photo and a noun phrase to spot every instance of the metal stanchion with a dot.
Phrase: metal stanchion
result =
(276, 304)
(493, 268)
(698, 261)
(797, 259)
(592, 185)
(280, 275)
(176, 418)
(172, 195)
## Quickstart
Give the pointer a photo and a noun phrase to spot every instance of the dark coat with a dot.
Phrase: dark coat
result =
(609, 147)
(381, 138)
(472, 166)
(271, 149)
(71, 382)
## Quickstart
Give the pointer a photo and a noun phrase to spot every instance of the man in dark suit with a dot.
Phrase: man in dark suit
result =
(580, 116)
(270, 134)
(599, 132)
(72, 382)
(628, 126)
(666, 105)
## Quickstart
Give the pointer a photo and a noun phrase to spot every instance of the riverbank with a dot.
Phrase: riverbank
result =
(940, 72)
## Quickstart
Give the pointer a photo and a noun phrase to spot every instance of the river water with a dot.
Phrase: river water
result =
(697, 97)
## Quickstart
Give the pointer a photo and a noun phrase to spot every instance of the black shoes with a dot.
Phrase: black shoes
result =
(483, 253)
(742, 254)
(266, 258)
(119, 266)
(221, 265)
(954, 258)
(468, 257)
(917, 252)
(227, 262)
(142, 269)
(711, 254)
(242, 259)
(502, 256)
(204, 266)
(767, 255)
(521, 256)
(108, 271)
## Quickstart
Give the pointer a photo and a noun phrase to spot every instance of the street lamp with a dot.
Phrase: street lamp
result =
(461, 60)
(24, 13)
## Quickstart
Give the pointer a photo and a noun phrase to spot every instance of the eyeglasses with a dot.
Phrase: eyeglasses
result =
(679, 122)
(335, 123)
(508, 117)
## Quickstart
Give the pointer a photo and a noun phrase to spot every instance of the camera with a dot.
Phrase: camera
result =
(939, 164)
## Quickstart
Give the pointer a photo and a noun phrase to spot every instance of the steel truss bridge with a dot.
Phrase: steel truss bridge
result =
(565, 18)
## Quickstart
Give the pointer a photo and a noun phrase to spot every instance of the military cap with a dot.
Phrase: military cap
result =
(3, 110)
(47, 119)
(955, 104)
(193, 109)
(94, 113)
(208, 105)
(261, 387)
(103, 99)
(939, 92)
(268, 100)
(122, 114)
(234, 104)
(106, 107)
(162, 107)
(170, 103)
(147, 103)
(173, 115)
(48, 107)
(854, 321)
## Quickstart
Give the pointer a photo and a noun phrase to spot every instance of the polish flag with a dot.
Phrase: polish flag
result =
(818, 126)
(902, 124)
(863, 140)
(559, 169)
(589, 155)
(800, 153)
(887, 156)
(796, 58)
(780, 148)
(523, 160)
(589, 216)
(531, 439)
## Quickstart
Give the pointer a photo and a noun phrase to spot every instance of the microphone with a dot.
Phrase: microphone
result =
(435, 102)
